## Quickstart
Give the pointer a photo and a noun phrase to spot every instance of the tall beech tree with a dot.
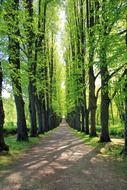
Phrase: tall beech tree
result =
(14, 61)
(106, 25)
(31, 66)
(92, 8)
(39, 45)
(125, 133)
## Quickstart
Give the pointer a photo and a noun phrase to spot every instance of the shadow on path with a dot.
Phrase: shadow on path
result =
(62, 162)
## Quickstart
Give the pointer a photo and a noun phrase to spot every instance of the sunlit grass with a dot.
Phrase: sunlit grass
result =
(86, 138)
(112, 149)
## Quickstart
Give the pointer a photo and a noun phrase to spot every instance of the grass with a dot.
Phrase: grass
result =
(111, 149)
(86, 138)
(18, 148)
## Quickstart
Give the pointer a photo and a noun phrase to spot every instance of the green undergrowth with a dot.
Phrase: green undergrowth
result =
(111, 149)
(9, 128)
(86, 138)
(18, 148)
(116, 129)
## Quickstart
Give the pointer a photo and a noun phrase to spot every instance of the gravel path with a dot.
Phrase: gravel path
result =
(62, 162)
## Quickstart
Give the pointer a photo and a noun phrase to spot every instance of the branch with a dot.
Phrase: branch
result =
(98, 92)
(124, 73)
(122, 32)
(118, 69)
(24, 51)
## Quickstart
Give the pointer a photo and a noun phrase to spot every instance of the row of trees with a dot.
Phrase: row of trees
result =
(29, 63)
(96, 63)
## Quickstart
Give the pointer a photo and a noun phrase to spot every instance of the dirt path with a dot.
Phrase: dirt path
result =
(62, 162)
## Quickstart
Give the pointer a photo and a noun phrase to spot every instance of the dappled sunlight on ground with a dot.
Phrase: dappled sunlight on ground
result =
(117, 141)
(61, 162)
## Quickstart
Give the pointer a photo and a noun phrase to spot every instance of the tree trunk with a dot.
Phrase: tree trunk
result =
(83, 119)
(77, 118)
(31, 69)
(40, 113)
(125, 133)
(17, 90)
(32, 108)
(92, 102)
(92, 96)
(104, 137)
(3, 146)
(85, 111)
(41, 107)
(87, 121)
(14, 60)
(21, 120)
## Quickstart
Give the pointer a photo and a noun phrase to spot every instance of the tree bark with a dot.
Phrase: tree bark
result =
(92, 102)
(84, 109)
(104, 137)
(31, 69)
(77, 118)
(32, 108)
(92, 97)
(125, 130)
(3, 146)
(40, 113)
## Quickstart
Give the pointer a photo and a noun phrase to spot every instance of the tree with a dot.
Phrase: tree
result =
(14, 61)
(91, 22)
(31, 66)
(106, 25)
(125, 130)
(3, 146)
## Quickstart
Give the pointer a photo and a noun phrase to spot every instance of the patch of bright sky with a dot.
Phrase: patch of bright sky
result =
(59, 38)
(6, 91)
(60, 33)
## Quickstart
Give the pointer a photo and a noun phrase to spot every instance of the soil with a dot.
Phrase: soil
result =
(62, 161)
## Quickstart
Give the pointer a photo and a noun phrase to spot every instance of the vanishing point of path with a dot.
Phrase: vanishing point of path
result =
(62, 161)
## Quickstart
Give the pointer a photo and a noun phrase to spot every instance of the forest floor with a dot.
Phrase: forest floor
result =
(62, 161)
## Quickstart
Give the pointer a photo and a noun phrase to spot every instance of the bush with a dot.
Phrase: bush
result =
(10, 128)
(117, 130)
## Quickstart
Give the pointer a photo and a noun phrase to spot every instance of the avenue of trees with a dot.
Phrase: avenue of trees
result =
(91, 84)
(96, 59)
(28, 62)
